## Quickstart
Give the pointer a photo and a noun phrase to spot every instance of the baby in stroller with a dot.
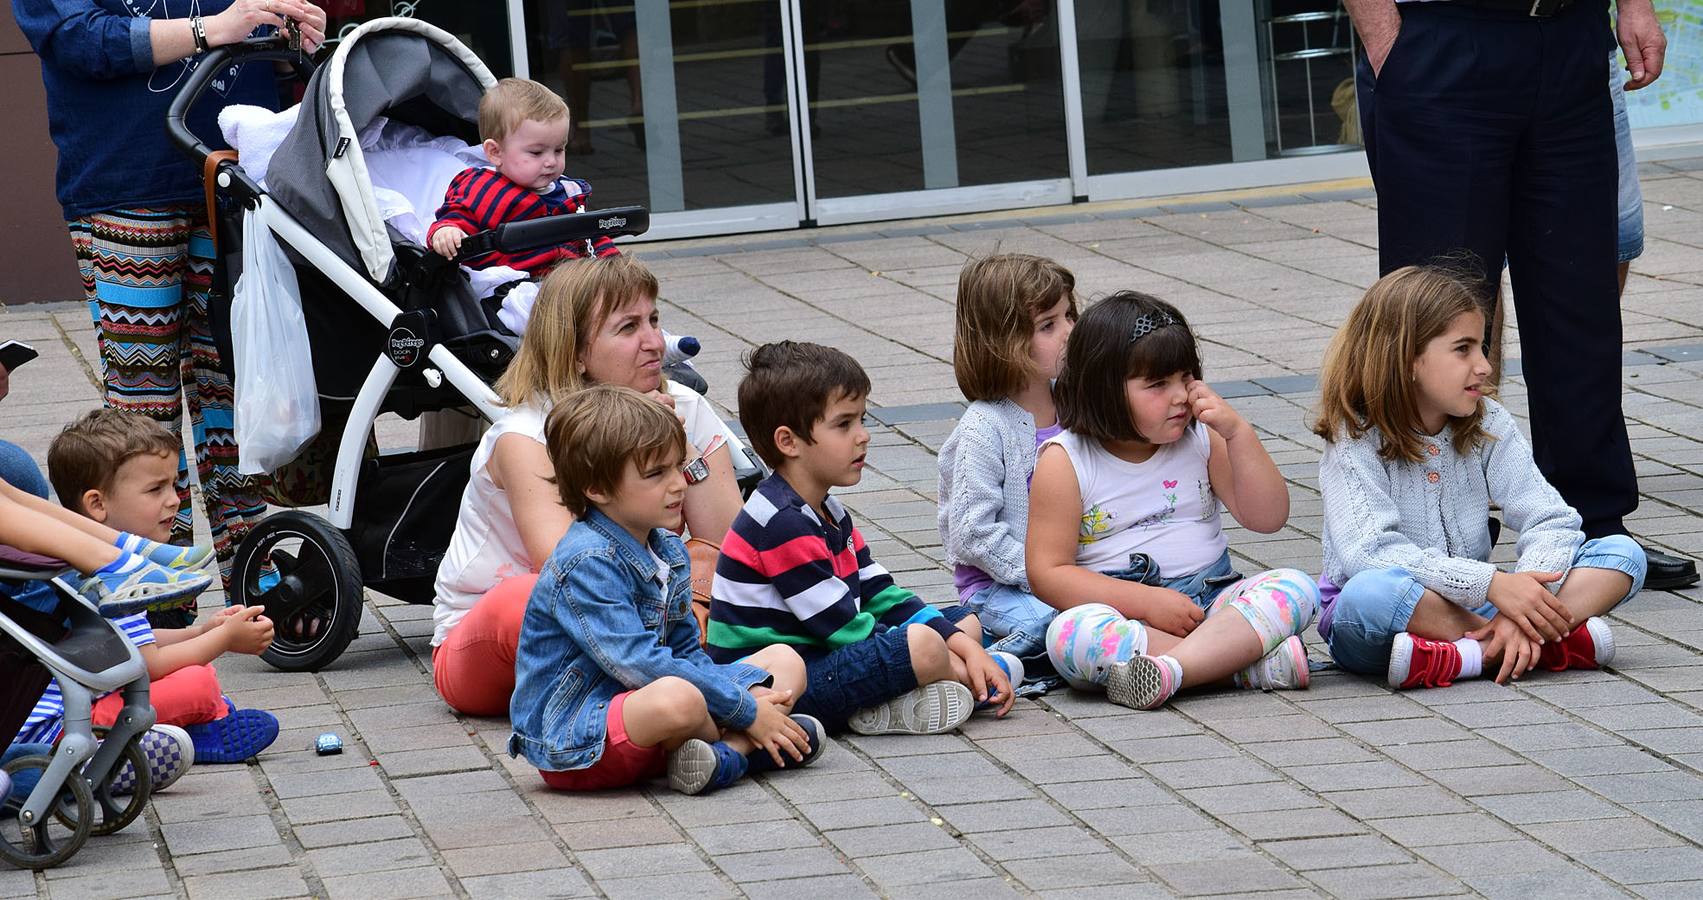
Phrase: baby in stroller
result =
(524, 127)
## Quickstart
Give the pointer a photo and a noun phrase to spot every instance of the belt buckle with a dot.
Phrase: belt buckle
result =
(1543, 9)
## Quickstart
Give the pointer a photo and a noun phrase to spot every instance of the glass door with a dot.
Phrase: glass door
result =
(678, 105)
(926, 107)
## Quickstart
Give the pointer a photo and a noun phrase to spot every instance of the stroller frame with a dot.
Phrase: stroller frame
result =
(429, 336)
(92, 656)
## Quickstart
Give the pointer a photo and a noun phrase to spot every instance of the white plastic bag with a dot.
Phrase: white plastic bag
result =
(277, 403)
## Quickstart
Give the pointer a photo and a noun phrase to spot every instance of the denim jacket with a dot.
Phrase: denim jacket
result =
(597, 624)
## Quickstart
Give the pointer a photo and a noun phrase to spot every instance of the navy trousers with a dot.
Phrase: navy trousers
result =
(1491, 134)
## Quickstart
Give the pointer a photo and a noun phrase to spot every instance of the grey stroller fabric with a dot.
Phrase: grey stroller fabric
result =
(402, 69)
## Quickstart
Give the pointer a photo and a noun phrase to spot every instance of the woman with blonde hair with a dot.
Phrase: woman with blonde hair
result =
(594, 322)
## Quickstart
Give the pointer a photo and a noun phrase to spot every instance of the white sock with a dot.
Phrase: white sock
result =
(1472, 657)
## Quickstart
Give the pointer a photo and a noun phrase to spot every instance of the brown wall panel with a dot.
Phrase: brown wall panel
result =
(37, 263)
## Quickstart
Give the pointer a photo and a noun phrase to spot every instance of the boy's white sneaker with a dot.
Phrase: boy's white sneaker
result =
(931, 709)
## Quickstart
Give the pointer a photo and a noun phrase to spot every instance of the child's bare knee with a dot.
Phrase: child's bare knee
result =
(677, 703)
(787, 667)
(929, 657)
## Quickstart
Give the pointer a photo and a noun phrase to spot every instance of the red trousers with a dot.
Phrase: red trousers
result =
(189, 696)
(473, 668)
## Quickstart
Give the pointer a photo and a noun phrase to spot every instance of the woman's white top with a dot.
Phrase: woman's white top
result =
(486, 547)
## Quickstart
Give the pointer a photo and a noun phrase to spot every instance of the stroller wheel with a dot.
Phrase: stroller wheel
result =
(304, 572)
(113, 817)
(49, 841)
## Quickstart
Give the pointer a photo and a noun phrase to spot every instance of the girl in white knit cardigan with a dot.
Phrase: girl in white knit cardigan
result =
(1415, 453)
(1015, 313)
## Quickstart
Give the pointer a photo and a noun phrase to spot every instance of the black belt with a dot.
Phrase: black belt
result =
(1542, 9)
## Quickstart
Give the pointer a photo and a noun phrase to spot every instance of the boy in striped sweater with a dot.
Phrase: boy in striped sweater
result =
(795, 570)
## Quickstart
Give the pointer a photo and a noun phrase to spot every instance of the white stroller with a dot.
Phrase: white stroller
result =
(392, 327)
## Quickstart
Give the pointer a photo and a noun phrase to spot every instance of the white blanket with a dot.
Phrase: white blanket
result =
(410, 168)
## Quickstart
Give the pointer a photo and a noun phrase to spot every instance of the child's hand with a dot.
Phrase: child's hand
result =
(1503, 637)
(446, 241)
(987, 679)
(774, 730)
(1169, 611)
(1522, 597)
(244, 629)
(1214, 411)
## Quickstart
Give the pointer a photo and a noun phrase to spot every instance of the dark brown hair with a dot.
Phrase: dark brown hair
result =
(86, 454)
(591, 435)
(791, 383)
(1367, 379)
(1101, 358)
(998, 299)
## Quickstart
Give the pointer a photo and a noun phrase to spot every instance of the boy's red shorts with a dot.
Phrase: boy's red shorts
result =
(623, 763)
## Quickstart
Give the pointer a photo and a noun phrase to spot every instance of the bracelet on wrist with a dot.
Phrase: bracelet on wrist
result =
(198, 28)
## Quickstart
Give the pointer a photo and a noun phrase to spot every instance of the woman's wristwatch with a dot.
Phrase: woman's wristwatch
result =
(697, 470)
(198, 28)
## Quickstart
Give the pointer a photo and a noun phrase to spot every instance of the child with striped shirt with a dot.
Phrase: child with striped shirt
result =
(795, 570)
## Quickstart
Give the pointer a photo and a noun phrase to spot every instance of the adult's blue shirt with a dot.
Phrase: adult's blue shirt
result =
(106, 102)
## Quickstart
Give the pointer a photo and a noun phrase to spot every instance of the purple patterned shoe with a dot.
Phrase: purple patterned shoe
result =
(169, 752)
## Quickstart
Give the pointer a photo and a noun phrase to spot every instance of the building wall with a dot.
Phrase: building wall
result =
(37, 263)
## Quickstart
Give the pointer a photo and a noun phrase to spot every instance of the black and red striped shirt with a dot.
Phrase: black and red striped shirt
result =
(479, 199)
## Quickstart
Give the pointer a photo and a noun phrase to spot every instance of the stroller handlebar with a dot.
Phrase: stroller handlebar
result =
(275, 47)
(513, 237)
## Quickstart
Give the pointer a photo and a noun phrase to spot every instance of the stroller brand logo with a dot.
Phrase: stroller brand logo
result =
(612, 222)
(405, 348)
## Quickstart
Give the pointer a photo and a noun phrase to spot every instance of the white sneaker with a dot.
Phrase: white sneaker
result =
(931, 709)
(1284, 669)
(169, 752)
(1144, 682)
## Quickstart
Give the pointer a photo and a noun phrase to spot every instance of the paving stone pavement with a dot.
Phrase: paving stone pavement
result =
(1581, 784)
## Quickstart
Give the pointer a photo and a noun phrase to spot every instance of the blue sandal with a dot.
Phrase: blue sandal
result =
(234, 738)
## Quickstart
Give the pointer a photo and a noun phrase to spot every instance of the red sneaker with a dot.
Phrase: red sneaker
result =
(1422, 662)
(1590, 646)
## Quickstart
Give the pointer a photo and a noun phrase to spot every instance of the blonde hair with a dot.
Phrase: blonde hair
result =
(998, 299)
(572, 302)
(86, 454)
(1367, 379)
(591, 435)
(513, 101)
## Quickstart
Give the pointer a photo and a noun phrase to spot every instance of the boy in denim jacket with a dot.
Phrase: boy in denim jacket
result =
(611, 686)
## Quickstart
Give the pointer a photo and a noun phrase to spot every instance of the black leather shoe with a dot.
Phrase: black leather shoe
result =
(1668, 572)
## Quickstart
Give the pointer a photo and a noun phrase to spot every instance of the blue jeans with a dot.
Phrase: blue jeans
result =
(1630, 244)
(1015, 618)
(1202, 587)
(869, 672)
(1376, 605)
(20, 471)
(25, 781)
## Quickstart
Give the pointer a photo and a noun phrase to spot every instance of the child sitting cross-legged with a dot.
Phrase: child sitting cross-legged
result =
(1415, 452)
(118, 468)
(795, 569)
(611, 684)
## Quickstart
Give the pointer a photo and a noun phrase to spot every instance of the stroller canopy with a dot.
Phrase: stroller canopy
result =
(398, 68)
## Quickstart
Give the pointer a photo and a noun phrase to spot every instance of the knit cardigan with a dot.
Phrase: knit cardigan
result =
(1431, 517)
(984, 490)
